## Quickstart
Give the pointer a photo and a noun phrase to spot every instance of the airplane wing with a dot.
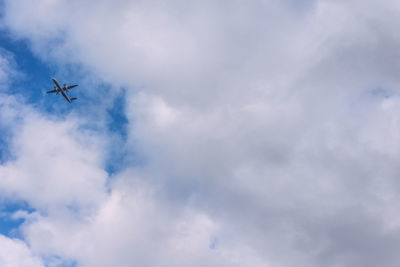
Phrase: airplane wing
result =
(56, 83)
(71, 86)
(52, 91)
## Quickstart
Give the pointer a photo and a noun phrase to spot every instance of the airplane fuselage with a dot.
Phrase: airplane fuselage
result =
(61, 90)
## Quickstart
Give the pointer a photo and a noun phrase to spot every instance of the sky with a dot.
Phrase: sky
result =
(236, 133)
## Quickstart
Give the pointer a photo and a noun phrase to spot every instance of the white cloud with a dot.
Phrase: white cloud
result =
(135, 220)
(6, 68)
(55, 163)
(268, 130)
(15, 253)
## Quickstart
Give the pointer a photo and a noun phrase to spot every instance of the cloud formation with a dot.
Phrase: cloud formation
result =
(14, 253)
(267, 132)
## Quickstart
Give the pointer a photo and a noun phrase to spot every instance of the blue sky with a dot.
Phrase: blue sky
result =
(32, 79)
(33, 73)
(213, 133)
(29, 83)
(9, 226)
(24, 61)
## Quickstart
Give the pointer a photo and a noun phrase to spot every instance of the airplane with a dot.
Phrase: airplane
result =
(63, 90)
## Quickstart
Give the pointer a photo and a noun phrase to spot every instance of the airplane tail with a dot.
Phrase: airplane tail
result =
(73, 98)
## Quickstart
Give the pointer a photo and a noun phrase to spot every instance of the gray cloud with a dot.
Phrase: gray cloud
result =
(269, 131)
